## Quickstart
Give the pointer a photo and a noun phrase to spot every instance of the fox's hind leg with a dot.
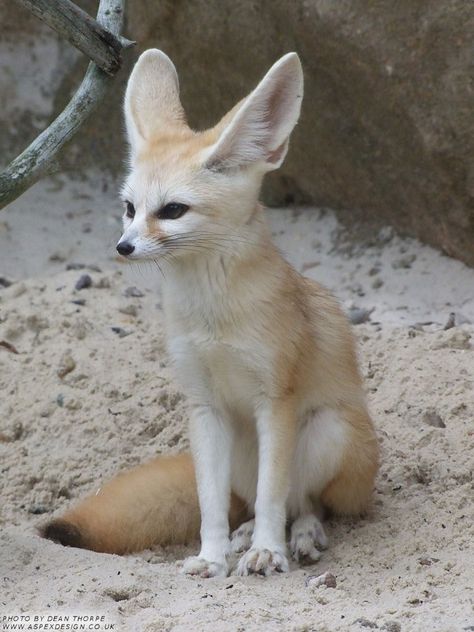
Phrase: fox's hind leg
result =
(307, 538)
(349, 491)
(241, 538)
(335, 463)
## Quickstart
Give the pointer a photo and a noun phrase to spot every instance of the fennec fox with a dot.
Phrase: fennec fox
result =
(279, 427)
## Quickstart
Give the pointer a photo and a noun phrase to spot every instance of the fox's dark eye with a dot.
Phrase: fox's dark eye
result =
(173, 210)
(130, 210)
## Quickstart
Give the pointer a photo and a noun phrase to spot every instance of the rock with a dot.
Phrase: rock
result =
(83, 282)
(392, 626)
(66, 365)
(357, 315)
(374, 270)
(455, 319)
(427, 561)
(365, 623)
(4, 282)
(120, 332)
(75, 266)
(18, 430)
(377, 283)
(47, 411)
(403, 262)
(129, 310)
(58, 257)
(451, 322)
(387, 96)
(133, 292)
(326, 579)
(432, 418)
(38, 509)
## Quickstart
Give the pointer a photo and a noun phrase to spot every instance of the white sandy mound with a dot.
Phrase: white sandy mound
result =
(81, 401)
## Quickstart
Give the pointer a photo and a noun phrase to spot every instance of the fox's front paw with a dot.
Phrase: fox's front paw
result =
(204, 568)
(262, 562)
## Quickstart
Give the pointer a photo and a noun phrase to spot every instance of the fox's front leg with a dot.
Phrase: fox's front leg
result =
(276, 440)
(211, 443)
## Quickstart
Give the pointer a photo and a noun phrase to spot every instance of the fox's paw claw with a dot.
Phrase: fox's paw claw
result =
(241, 538)
(307, 539)
(199, 566)
(262, 562)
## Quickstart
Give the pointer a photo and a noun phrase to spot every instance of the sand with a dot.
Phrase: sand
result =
(89, 393)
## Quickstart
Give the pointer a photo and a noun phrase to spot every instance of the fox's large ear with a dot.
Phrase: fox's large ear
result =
(259, 130)
(152, 97)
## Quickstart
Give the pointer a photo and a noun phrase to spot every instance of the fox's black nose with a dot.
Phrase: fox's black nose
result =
(125, 248)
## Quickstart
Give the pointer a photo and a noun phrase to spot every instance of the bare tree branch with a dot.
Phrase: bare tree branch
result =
(30, 165)
(102, 46)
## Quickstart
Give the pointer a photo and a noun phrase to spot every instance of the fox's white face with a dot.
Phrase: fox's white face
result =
(191, 192)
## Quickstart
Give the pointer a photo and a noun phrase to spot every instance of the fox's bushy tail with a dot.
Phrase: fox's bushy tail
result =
(154, 503)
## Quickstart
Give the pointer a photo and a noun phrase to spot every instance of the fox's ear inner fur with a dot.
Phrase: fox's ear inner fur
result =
(259, 130)
(152, 98)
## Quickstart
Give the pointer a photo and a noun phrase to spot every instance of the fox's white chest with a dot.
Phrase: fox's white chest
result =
(212, 339)
(217, 372)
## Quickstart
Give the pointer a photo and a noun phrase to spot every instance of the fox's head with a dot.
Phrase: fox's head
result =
(191, 192)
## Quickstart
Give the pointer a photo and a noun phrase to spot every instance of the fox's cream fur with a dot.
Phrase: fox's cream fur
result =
(279, 426)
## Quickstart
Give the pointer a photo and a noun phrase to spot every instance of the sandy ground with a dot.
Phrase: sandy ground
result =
(90, 393)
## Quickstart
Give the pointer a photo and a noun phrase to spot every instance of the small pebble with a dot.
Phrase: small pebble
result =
(432, 418)
(377, 283)
(427, 561)
(38, 509)
(357, 315)
(309, 265)
(326, 579)
(17, 430)
(403, 262)
(120, 332)
(83, 282)
(82, 266)
(5, 282)
(75, 266)
(66, 365)
(47, 411)
(365, 623)
(58, 257)
(133, 292)
(129, 310)
(451, 322)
